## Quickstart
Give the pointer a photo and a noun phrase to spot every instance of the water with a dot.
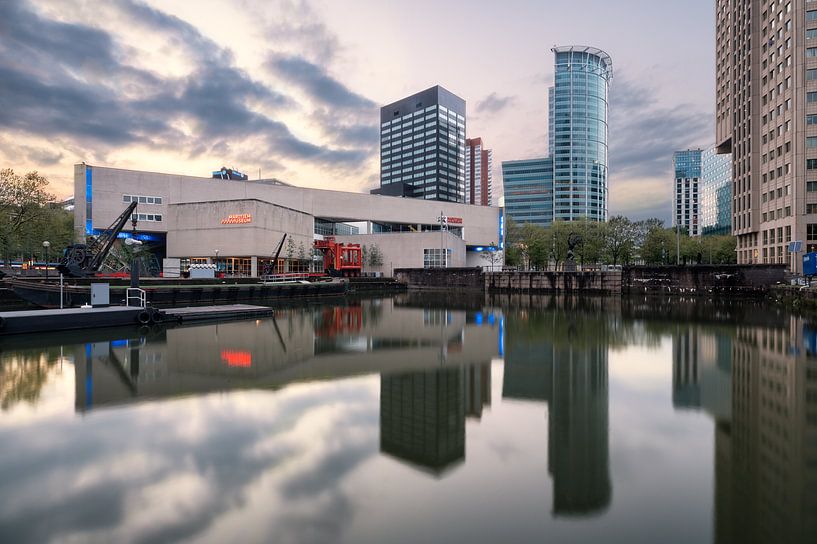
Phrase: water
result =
(419, 419)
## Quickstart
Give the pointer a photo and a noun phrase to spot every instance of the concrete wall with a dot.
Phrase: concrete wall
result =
(405, 249)
(444, 278)
(198, 230)
(480, 223)
(726, 278)
(586, 282)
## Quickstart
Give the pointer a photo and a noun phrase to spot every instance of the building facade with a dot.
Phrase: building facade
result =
(577, 132)
(766, 119)
(528, 189)
(237, 224)
(687, 168)
(422, 147)
(571, 182)
(479, 177)
(715, 193)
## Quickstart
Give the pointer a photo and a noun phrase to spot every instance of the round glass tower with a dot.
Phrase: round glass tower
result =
(577, 132)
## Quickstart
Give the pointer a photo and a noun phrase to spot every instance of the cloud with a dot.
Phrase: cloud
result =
(316, 83)
(643, 134)
(77, 82)
(493, 103)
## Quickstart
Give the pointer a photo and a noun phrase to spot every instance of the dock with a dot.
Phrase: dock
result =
(40, 321)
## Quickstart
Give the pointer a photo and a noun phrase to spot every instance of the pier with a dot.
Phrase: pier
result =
(39, 321)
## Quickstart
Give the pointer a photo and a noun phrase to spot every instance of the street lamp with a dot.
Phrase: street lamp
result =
(46, 245)
(216, 261)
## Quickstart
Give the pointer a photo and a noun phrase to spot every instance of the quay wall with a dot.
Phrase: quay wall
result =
(696, 279)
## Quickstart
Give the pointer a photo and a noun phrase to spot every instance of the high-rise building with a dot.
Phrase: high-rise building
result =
(577, 132)
(528, 189)
(766, 93)
(715, 193)
(422, 146)
(687, 166)
(478, 173)
(577, 144)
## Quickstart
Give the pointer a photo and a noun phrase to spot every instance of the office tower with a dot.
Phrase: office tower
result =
(715, 189)
(577, 132)
(571, 183)
(766, 93)
(528, 189)
(478, 173)
(422, 418)
(687, 166)
(422, 146)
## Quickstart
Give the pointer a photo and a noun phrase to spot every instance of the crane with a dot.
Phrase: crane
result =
(270, 267)
(83, 260)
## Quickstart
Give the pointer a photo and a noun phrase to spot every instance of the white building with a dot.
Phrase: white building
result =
(238, 224)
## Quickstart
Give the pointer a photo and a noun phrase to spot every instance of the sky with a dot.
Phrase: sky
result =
(291, 89)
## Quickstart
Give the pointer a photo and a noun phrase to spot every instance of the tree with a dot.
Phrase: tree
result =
(620, 240)
(375, 256)
(492, 256)
(658, 246)
(289, 252)
(23, 200)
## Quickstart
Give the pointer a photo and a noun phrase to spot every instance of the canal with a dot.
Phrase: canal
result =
(419, 418)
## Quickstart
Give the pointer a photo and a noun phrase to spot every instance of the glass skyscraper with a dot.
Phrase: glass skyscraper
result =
(529, 190)
(422, 146)
(716, 193)
(571, 183)
(687, 166)
(577, 132)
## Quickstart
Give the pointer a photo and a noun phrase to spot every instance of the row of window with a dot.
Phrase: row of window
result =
(142, 199)
(147, 216)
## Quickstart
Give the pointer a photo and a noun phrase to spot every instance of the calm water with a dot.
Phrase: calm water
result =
(419, 419)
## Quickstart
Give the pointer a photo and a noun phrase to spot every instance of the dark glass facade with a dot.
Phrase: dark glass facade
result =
(528, 186)
(422, 146)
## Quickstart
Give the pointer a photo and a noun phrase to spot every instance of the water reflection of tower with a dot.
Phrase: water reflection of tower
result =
(766, 456)
(572, 378)
(422, 414)
(578, 457)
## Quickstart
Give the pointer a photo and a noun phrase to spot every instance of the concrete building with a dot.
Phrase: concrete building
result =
(766, 101)
(422, 147)
(239, 223)
(479, 163)
(575, 183)
(528, 190)
(715, 191)
(685, 209)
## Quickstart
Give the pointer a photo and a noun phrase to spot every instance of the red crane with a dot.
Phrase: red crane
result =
(340, 259)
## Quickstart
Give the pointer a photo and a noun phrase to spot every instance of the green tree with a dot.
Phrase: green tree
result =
(620, 240)
(375, 256)
(492, 257)
(658, 246)
(23, 201)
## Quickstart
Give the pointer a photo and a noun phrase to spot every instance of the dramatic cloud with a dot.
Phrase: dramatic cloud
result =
(314, 80)
(643, 135)
(493, 103)
(74, 81)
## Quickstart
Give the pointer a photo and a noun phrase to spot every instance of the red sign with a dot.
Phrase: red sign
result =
(237, 219)
(454, 220)
(241, 359)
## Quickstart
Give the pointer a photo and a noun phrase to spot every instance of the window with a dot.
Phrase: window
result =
(811, 15)
(811, 164)
(811, 97)
(811, 141)
(811, 74)
(811, 186)
(811, 208)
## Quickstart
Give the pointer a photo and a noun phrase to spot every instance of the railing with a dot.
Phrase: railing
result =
(294, 276)
(134, 293)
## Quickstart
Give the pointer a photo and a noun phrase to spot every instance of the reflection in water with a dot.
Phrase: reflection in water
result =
(565, 364)
(317, 456)
(759, 384)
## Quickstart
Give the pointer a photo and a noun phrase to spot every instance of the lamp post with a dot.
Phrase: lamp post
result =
(216, 261)
(46, 245)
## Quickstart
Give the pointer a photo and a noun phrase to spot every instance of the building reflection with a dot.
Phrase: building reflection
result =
(759, 384)
(566, 367)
